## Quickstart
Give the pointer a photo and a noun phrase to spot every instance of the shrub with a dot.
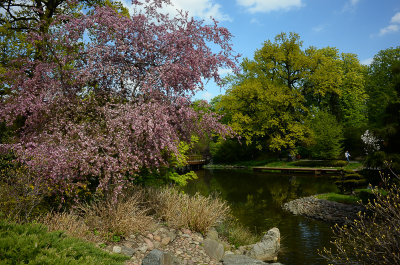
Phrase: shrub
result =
(374, 238)
(235, 233)
(20, 197)
(349, 180)
(196, 212)
(33, 244)
(73, 225)
(107, 218)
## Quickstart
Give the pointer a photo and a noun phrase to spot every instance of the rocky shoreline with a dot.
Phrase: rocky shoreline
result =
(168, 246)
(324, 210)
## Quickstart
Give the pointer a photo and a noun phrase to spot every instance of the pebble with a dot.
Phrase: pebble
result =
(182, 243)
(324, 210)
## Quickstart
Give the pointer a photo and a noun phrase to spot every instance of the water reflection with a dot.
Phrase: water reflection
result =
(256, 200)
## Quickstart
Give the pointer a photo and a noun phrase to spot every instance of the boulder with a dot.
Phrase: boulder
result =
(158, 257)
(243, 260)
(212, 234)
(127, 251)
(213, 249)
(267, 249)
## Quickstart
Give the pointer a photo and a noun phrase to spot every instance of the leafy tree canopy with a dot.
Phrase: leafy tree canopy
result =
(101, 110)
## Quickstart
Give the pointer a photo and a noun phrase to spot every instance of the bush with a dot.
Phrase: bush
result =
(235, 233)
(20, 197)
(33, 244)
(374, 238)
(349, 180)
(196, 212)
(107, 218)
(103, 218)
(328, 136)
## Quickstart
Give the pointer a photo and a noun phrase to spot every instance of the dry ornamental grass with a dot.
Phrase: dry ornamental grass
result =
(196, 212)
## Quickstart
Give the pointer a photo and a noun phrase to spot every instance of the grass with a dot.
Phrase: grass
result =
(104, 219)
(235, 233)
(196, 212)
(33, 244)
(362, 195)
(336, 197)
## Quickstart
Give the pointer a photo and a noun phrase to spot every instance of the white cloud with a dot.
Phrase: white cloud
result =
(396, 18)
(389, 29)
(393, 26)
(203, 9)
(254, 6)
(350, 5)
(367, 61)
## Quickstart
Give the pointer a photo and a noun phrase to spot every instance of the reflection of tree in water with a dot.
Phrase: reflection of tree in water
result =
(256, 201)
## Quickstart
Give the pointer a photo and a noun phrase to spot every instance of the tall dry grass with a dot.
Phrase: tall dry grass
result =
(104, 219)
(73, 224)
(196, 212)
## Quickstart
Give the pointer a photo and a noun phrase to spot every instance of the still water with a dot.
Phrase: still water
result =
(256, 199)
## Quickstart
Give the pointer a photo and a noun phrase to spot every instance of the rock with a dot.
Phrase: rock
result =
(158, 257)
(267, 249)
(212, 234)
(186, 231)
(150, 244)
(240, 260)
(165, 240)
(143, 248)
(127, 251)
(157, 238)
(116, 249)
(213, 249)
(156, 244)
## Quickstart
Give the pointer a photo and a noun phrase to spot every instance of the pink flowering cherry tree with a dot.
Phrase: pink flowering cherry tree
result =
(112, 95)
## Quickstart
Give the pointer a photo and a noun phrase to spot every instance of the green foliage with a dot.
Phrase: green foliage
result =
(380, 85)
(265, 106)
(328, 136)
(349, 180)
(235, 233)
(342, 198)
(232, 151)
(374, 237)
(269, 102)
(31, 243)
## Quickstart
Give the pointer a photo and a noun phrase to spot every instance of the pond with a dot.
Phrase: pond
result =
(256, 199)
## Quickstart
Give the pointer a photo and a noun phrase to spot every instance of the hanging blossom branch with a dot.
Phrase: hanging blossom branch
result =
(98, 111)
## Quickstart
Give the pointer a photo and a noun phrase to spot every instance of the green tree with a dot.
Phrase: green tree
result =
(328, 136)
(380, 85)
(265, 102)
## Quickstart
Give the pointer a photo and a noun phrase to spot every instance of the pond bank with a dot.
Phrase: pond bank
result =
(324, 210)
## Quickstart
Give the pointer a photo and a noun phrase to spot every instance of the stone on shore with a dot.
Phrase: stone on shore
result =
(158, 257)
(267, 249)
(243, 260)
(213, 248)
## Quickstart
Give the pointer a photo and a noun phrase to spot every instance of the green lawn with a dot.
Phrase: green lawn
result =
(33, 244)
(342, 198)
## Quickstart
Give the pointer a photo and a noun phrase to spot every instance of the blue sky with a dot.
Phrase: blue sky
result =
(362, 27)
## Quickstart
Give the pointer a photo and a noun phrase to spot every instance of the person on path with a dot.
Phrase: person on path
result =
(347, 155)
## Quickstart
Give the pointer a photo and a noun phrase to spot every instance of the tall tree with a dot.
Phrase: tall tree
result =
(269, 102)
(265, 100)
(380, 84)
(102, 110)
